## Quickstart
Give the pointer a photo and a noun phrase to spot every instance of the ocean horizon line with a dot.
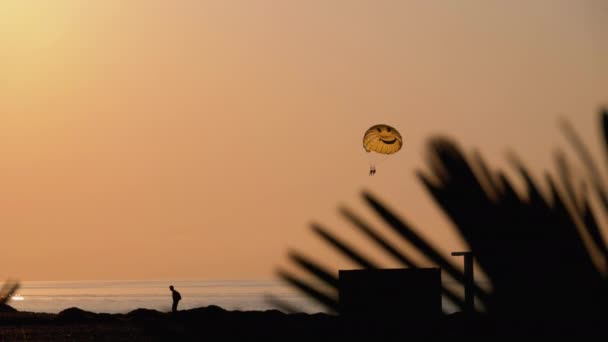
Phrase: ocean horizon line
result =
(121, 296)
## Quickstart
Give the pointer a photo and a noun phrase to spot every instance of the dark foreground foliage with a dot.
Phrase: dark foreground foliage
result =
(543, 251)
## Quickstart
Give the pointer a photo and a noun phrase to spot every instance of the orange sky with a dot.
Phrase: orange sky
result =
(198, 139)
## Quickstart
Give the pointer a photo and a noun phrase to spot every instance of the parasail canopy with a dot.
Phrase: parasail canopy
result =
(382, 139)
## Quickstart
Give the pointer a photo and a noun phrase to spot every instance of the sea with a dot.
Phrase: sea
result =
(125, 296)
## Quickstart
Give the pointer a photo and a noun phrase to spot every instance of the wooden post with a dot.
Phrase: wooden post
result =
(469, 296)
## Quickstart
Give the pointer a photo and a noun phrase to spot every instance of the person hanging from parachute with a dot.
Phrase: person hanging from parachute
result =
(381, 139)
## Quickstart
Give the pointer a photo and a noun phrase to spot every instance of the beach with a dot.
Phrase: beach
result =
(214, 323)
(205, 323)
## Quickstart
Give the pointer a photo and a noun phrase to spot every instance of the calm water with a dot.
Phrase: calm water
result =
(124, 296)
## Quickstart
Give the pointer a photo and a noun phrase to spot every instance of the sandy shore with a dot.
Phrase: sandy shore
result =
(213, 323)
(210, 323)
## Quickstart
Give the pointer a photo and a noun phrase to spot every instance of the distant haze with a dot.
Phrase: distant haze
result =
(193, 139)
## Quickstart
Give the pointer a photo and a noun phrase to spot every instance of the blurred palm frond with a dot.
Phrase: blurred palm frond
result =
(8, 290)
(536, 249)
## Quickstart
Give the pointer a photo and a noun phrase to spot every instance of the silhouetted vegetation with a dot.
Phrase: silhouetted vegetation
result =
(6, 292)
(542, 251)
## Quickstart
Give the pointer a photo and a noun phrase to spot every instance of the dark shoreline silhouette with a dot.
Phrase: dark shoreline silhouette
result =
(216, 324)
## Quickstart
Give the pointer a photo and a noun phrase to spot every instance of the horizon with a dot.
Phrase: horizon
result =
(123, 296)
(126, 296)
(199, 139)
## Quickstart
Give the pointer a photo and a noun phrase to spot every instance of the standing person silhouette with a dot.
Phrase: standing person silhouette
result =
(176, 298)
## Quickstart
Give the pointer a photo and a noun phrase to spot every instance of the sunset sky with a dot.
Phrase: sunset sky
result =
(195, 139)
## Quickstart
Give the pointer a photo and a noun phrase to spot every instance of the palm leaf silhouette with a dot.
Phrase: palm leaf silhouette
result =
(8, 290)
(536, 249)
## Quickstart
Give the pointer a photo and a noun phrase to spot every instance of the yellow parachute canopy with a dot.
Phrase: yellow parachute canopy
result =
(382, 139)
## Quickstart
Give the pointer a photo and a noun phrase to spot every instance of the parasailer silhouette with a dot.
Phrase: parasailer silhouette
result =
(381, 139)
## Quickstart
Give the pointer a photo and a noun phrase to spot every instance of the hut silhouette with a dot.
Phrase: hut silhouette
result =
(390, 293)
